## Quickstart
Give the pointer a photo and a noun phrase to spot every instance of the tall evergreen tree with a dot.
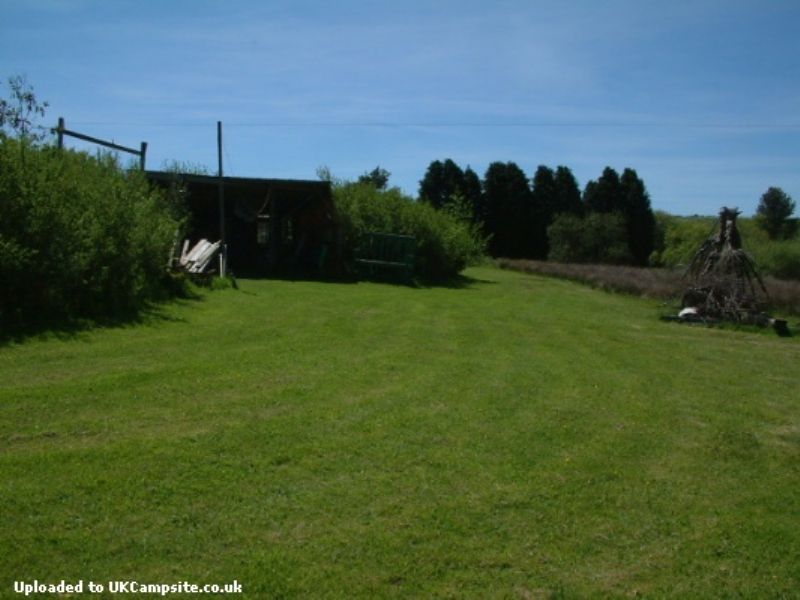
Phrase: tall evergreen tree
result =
(568, 194)
(494, 201)
(430, 188)
(640, 221)
(442, 181)
(543, 203)
(507, 198)
(589, 192)
(473, 193)
(603, 195)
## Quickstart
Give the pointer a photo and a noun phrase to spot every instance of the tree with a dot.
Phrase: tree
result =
(774, 210)
(603, 195)
(627, 197)
(377, 177)
(594, 238)
(640, 221)
(507, 201)
(442, 182)
(18, 113)
(430, 187)
(568, 195)
(473, 194)
(543, 202)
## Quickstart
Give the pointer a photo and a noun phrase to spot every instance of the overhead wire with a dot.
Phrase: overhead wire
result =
(445, 125)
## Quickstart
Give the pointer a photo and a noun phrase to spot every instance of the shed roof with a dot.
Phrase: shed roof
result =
(287, 184)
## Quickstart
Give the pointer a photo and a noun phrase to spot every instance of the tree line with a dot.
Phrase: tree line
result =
(547, 216)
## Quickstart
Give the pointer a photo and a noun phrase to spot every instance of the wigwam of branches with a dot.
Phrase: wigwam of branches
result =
(724, 281)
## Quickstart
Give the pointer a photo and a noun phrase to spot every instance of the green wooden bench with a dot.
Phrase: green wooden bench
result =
(380, 253)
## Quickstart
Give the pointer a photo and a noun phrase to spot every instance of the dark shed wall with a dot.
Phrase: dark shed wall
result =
(300, 216)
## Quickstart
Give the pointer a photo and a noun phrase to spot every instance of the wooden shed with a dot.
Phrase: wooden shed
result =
(271, 226)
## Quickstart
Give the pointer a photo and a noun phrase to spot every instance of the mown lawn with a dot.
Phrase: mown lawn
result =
(514, 437)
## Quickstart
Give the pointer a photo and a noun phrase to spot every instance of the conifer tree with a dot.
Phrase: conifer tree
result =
(507, 198)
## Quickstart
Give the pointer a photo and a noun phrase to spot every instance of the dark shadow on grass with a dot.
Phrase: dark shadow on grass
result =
(459, 282)
(351, 275)
(75, 328)
(302, 277)
(390, 278)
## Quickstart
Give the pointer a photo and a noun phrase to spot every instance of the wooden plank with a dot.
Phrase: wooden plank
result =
(197, 250)
(202, 261)
(184, 253)
(94, 140)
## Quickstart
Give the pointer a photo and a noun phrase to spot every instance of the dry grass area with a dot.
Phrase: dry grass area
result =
(664, 284)
(784, 295)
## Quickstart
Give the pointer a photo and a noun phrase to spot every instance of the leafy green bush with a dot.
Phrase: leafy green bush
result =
(594, 238)
(778, 258)
(682, 238)
(446, 240)
(79, 235)
(684, 235)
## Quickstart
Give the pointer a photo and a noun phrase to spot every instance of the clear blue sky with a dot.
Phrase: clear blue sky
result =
(702, 98)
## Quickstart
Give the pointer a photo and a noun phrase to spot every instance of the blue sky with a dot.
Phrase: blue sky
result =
(702, 98)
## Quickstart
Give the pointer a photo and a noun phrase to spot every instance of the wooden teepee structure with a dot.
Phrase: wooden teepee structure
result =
(724, 282)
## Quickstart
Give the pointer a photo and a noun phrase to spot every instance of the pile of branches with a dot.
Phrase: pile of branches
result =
(724, 281)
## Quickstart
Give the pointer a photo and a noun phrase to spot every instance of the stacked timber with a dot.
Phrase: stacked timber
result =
(197, 259)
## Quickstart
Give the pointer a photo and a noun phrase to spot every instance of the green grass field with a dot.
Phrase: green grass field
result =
(514, 437)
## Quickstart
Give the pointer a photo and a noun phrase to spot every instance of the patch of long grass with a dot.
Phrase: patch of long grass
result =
(664, 284)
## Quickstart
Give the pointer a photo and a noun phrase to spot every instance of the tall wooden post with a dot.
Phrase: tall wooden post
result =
(60, 132)
(221, 194)
(142, 154)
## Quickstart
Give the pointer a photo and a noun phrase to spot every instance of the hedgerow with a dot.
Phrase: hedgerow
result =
(80, 236)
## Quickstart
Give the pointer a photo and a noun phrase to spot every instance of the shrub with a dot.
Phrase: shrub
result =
(446, 241)
(774, 210)
(684, 235)
(79, 235)
(779, 259)
(682, 238)
(595, 238)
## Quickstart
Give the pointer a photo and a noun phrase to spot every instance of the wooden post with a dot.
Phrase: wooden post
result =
(142, 155)
(60, 132)
(221, 193)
